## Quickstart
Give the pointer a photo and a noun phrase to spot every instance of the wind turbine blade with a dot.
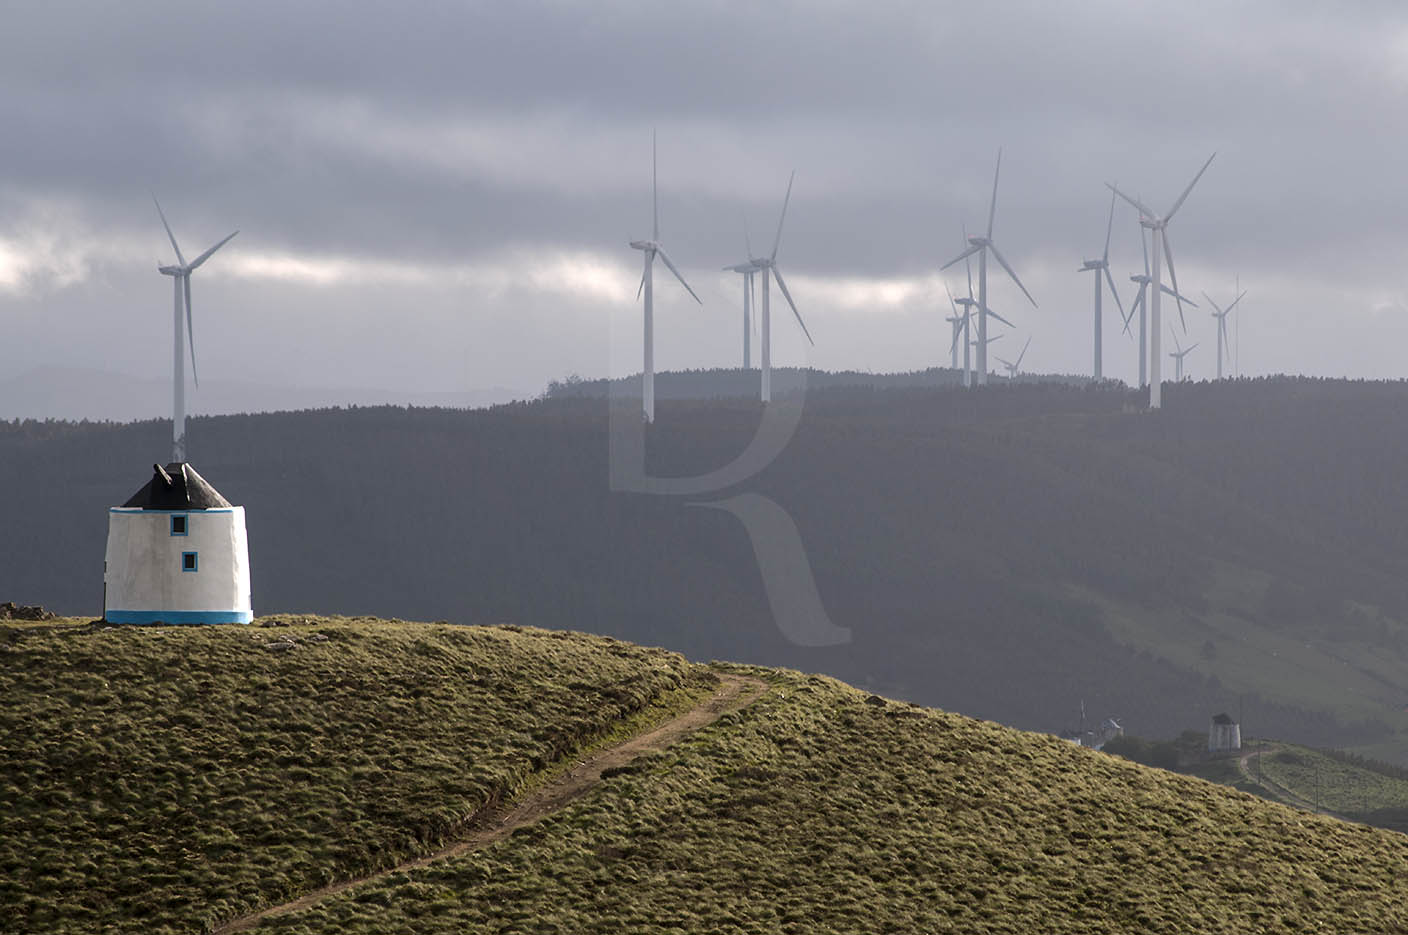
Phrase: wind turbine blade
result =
(963, 256)
(1234, 302)
(1001, 319)
(1134, 307)
(1181, 298)
(654, 187)
(1144, 245)
(1135, 202)
(966, 263)
(1173, 277)
(1024, 350)
(1006, 363)
(1178, 351)
(1113, 291)
(777, 274)
(1179, 203)
(170, 236)
(641, 287)
(992, 208)
(1109, 229)
(788, 197)
(747, 242)
(666, 258)
(1214, 304)
(1190, 347)
(1011, 272)
(190, 331)
(951, 300)
(206, 255)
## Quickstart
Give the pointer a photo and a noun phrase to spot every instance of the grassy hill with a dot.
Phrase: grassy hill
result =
(158, 780)
(1007, 554)
(163, 779)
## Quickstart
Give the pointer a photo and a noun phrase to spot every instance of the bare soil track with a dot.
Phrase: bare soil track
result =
(497, 822)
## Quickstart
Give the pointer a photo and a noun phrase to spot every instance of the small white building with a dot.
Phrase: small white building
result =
(177, 553)
(1224, 734)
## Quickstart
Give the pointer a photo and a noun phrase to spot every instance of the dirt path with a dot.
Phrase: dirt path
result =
(498, 822)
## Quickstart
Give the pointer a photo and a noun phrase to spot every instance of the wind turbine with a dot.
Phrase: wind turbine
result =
(1011, 367)
(1221, 316)
(981, 246)
(1162, 250)
(968, 305)
(1178, 355)
(1142, 308)
(180, 275)
(651, 248)
(747, 269)
(768, 267)
(1100, 266)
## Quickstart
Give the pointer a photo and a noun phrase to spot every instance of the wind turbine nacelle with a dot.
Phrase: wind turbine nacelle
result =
(169, 270)
(644, 244)
(1142, 280)
(1090, 264)
(979, 242)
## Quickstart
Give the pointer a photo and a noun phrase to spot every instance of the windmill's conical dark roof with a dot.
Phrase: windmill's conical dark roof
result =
(177, 487)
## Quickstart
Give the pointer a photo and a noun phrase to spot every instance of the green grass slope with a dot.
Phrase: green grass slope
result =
(821, 809)
(163, 779)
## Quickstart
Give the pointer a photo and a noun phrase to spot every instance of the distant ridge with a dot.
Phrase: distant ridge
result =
(720, 383)
(77, 393)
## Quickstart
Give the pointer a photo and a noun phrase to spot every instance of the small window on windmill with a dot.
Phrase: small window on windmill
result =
(178, 524)
(188, 561)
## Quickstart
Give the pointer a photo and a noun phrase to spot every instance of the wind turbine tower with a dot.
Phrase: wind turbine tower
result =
(1159, 225)
(747, 269)
(651, 248)
(1221, 316)
(180, 274)
(768, 267)
(981, 246)
(1101, 267)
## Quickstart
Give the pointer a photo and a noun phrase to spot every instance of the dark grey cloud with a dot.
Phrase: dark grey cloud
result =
(430, 145)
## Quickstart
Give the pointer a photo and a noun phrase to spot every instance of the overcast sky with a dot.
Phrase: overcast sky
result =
(438, 197)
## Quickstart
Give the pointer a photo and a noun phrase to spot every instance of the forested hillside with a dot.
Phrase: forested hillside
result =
(1007, 553)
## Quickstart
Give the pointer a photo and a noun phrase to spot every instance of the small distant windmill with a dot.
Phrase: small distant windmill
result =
(768, 267)
(181, 281)
(1102, 267)
(1221, 316)
(981, 246)
(1178, 354)
(651, 248)
(1159, 225)
(1142, 307)
(1014, 368)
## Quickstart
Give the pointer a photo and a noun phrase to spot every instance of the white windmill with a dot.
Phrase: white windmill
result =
(1142, 307)
(651, 248)
(1178, 354)
(181, 281)
(981, 246)
(1102, 267)
(1014, 368)
(1221, 316)
(1159, 225)
(768, 267)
